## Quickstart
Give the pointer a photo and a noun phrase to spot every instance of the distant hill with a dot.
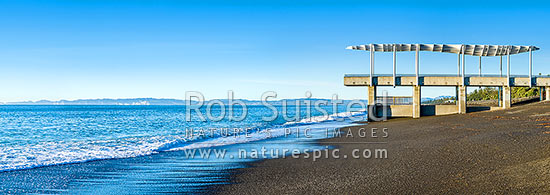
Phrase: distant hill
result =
(128, 101)
(442, 97)
(156, 101)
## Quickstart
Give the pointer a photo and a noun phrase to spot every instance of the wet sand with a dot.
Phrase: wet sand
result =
(503, 151)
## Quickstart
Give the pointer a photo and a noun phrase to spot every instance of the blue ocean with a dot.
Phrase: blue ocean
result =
(125, 149)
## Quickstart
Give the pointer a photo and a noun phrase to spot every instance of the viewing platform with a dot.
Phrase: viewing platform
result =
(460, 80)
(445, 80)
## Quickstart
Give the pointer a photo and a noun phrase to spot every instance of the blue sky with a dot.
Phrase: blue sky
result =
(124, 49)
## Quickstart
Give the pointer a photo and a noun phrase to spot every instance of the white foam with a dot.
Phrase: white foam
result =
(64, 152)
(332, 117)
(339, 120)
(54, 153)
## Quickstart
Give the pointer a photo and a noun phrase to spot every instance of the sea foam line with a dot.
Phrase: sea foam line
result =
(57, 153)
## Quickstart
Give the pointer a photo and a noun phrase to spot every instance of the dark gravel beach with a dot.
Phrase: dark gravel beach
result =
(504, 151)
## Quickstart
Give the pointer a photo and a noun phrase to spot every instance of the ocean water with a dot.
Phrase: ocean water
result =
(51, 149)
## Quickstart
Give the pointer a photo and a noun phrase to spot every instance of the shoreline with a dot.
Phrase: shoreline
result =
(167, 171)
(419, 152)
(436, 154)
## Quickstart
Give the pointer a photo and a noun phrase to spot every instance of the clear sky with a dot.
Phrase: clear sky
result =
(124, 49)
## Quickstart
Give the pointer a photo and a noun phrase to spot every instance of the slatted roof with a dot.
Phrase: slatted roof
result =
(474, 50)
